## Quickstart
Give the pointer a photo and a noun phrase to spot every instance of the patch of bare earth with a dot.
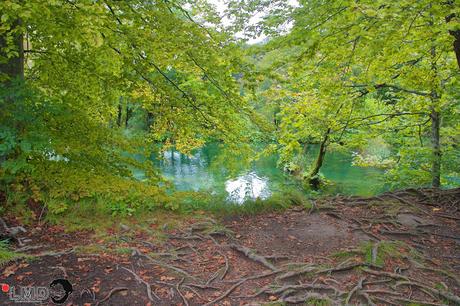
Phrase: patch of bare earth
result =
(395, 249)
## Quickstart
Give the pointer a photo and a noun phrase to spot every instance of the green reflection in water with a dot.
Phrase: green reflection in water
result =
(202, 172)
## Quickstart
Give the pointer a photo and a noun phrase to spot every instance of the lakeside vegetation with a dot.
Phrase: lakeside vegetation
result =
(88, 90)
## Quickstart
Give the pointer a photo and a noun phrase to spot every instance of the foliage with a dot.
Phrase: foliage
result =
(354, 71)
(61, 137)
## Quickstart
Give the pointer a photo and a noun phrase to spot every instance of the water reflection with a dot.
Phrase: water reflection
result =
(205, 170)
(249, 186)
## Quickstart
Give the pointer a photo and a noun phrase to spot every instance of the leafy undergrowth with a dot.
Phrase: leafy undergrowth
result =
(397, 249)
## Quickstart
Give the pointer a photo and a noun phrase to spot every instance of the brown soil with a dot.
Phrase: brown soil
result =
(394, 249)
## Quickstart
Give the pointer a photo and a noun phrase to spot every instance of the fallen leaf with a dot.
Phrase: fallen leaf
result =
(10, 270)
(108, 269)
(272, 298)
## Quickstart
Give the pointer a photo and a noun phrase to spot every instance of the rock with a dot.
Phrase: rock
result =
(124, 227)
(410, 220)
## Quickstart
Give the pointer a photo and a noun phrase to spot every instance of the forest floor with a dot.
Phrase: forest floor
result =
(400, 248)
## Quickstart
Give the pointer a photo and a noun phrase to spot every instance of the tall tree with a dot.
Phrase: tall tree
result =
(81, 57)
(375, 69)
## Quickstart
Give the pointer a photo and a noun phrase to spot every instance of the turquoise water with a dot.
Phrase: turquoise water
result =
(206, 170)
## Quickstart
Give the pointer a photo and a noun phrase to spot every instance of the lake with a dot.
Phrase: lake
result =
(205, 171)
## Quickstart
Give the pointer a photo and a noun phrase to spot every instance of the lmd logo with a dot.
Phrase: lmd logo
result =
(59, 290)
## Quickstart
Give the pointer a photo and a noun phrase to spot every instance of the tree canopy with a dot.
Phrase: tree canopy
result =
(362, 70)
(72, 65)
(340, 74)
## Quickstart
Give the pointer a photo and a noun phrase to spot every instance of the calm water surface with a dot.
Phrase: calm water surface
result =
(204, 171)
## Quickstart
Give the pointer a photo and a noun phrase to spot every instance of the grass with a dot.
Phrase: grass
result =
(317, 302)
(98, 217)
(191, 202)
(7, 255)
(385, 250)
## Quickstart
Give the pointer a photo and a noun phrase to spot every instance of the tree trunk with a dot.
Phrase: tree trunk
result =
(456, 45)
(313, 176)
(436, 149)
(120, 113)
(129, 112)
(149, 120)
(14, 66)
(435, 126)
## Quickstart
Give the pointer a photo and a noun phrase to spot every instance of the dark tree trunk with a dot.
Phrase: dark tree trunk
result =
(454, 33)
(149, 120)
(129, 112)
(14, 66)
(313, 176)
(120, 113)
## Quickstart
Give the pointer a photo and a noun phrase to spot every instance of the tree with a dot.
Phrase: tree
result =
(375, 69)
(60, 136)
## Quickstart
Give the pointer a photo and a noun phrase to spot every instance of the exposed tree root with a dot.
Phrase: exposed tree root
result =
(180, 292)
(148, 286)
(252, 255)
(162, 264)
(109, 295)
(301, 298)
(356, 289)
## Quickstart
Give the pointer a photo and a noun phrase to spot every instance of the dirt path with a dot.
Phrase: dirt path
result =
(396, 249)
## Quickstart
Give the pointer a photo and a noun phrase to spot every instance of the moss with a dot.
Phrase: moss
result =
(384, 250)
(317, 302)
